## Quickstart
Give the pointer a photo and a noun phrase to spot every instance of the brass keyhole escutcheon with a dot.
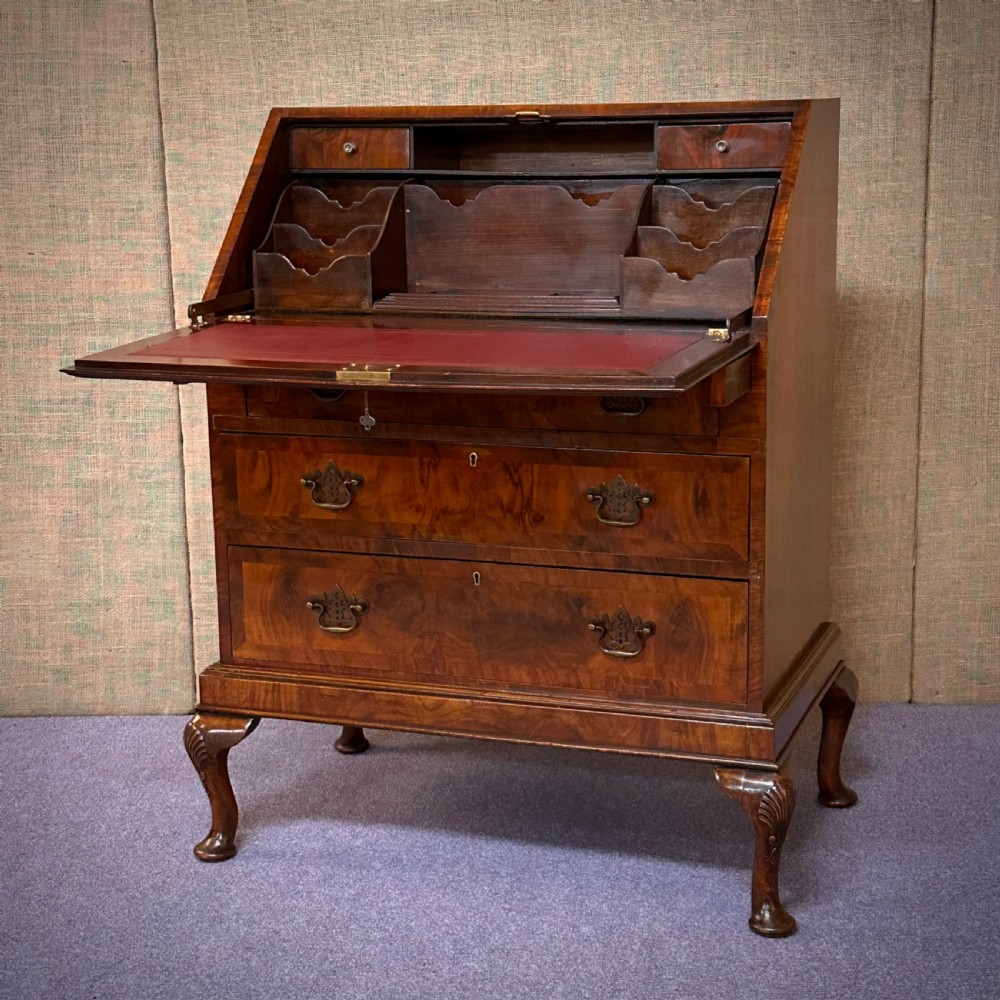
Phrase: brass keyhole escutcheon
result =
(476, 578)
(473, 459)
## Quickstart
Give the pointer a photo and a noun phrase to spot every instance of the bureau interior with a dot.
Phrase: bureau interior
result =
(537, 250)
(507, 219)
(630, 247)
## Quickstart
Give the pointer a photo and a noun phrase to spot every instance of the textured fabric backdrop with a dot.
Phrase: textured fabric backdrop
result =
(957, 619)
(94, 562)
(94, 611)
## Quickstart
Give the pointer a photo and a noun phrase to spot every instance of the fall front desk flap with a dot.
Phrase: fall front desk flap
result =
(548, 251)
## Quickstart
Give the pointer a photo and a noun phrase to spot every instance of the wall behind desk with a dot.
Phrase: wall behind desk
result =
(129, 130)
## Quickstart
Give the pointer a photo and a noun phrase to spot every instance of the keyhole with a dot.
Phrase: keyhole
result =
(473, 459)
(476, 578)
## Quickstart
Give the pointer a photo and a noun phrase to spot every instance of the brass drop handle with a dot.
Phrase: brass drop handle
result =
(623, 406)
(620, 634)
(337, 611)
(332, 489)
(619, 504)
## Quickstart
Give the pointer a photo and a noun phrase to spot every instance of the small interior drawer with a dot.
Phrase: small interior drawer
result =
(677, 506)
(717, 147)
(348, 148)
(508, 626)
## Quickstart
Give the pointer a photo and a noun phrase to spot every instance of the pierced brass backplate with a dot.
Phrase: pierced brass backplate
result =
(621, 634)
(337, 611)
(332, 489)
(619, 504)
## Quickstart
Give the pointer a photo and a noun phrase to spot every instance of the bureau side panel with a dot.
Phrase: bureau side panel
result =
(223, 401)
(798, 356)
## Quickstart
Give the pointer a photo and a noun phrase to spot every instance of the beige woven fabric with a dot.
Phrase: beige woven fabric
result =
(94, 610)
(874, 56)
(957, 621)
(93, 565)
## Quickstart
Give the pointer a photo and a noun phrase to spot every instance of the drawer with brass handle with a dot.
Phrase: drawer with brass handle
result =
(685, 507)
(522, 627)
(691, 414)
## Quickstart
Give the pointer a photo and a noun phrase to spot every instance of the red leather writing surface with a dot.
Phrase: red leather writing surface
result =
(500, 349)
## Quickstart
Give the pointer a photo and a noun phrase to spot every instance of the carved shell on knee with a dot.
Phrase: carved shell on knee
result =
(775, 813)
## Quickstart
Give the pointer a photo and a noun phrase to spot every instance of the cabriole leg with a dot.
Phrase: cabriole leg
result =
(837, 707)
(352, 740)
(768, 799)
(208, 739)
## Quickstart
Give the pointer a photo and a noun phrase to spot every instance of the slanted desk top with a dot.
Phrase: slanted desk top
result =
(520, 430)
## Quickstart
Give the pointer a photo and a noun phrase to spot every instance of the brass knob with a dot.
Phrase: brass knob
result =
(350, 148)
(722, 146)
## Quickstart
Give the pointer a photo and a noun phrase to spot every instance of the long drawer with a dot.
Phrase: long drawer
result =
(506, 626)
(624, 503)
(689, 414)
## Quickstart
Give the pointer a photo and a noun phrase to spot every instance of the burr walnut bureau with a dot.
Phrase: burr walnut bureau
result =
(520, 430)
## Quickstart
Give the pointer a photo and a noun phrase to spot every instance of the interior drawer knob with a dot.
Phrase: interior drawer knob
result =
(619, 504)
(337, 611)
(332, 489)
(620, 634)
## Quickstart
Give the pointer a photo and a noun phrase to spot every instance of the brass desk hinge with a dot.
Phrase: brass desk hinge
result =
(354, 374)
(734, 325)
(210, 311)
(529, 117)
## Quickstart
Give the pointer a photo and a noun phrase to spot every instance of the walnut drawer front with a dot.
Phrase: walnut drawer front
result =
(738, 144)
(625, 503)
(690, 414)
(519, 627)
(349, 148)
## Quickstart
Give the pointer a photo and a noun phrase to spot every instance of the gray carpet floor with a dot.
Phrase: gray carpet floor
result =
(432, 867)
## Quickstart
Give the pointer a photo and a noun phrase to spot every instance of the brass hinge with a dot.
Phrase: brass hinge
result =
(529, 117)
(237, 318)
(354, 374)
(735, 325)
(210, 311)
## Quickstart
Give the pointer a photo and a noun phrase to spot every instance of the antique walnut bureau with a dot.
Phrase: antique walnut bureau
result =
(520, 430)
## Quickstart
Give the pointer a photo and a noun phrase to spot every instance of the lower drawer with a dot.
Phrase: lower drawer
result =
(510, 627)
